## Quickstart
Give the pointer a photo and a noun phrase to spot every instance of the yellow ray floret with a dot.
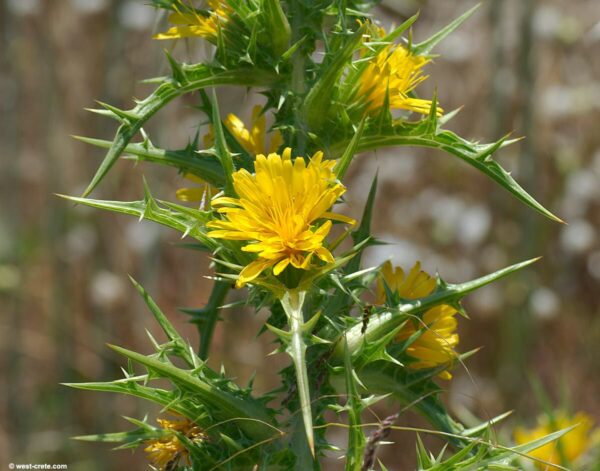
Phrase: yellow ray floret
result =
(253, 140)
(280, 211)
(168, 450)
(572, 445)
(435, 346)
(189, 23)
(397, 72)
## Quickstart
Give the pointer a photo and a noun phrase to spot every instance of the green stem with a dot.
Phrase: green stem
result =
(298, 82)
(207, 328)
(292, 302)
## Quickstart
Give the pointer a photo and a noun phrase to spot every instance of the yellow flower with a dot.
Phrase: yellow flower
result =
(573, 445)
(252, 140)
(397, 70)
(279, 211)
(190, 23)
(202, 193)
(435, 345)
(168, 450)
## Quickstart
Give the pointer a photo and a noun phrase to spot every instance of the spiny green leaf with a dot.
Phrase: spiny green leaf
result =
(505, 455)
(284, 336)
(134, 436)
(318, 99)
(397, 32)
(414, 134)
(252, 418)
(176, 69)
(186, 160)
(372, 350)
(477, 430)
(166, 325)
(130, 386)
(363, 232)
(221, 147)
(198, 77)
(344, 161)
(424, 460)
(122, 115)
(425, 47)
(150, 210)
(307, 281)
(210, 315)
(277, 25)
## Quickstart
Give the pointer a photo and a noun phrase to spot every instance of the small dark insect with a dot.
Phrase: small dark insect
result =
(367, 311)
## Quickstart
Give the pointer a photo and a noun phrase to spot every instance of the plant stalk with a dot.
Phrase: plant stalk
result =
(292, 302)
(298, 79)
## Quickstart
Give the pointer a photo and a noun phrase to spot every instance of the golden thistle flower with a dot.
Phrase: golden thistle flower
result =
(435, 345)
(168, 450)
(572, 445)
(253, 140)
(190, 23)
(394, 70)
(278, 211)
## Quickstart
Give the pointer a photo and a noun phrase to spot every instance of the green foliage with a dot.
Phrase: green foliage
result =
(488, 455)
(191, 78)
(339, 343)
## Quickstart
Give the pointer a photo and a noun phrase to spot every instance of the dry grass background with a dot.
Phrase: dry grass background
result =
(531, 67)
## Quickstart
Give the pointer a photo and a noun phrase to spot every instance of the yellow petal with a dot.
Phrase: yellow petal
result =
(339, 217)
(277, 269)
(251, 271)
(190, 194)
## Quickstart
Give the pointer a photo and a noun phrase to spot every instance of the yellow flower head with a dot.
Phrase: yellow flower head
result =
(167, 450)
(435, 345)
(189, 23)
(572, 445)
(279, 211)
(253, 140)
(394, 70)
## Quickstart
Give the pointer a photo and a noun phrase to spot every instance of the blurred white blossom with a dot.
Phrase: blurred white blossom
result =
(24, 7)
(544, 303)
(89, 7)
(593, 264)
(578, 236)
(106, 289)
(136, 15)
(473, 225)
(142, 236)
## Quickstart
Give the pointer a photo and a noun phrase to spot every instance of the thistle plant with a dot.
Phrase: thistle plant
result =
(263, 206)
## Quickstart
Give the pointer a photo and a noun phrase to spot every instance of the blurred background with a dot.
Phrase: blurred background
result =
(522, 66)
